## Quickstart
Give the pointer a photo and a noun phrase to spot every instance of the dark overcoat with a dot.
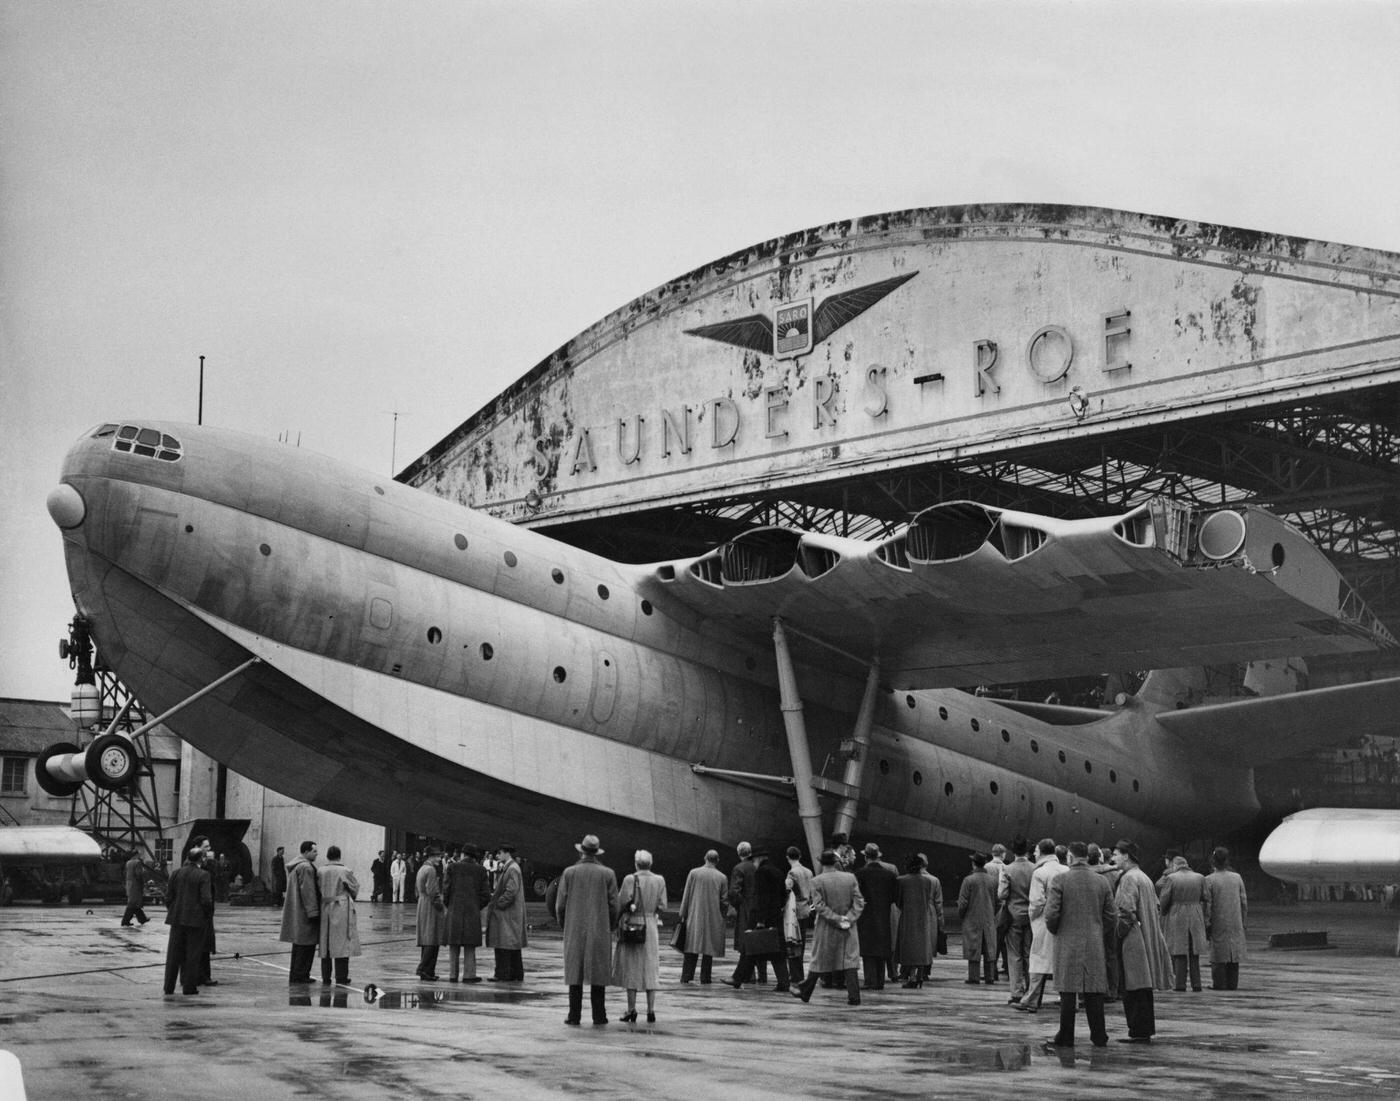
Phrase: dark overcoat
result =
(135, 873)
(741, 897)
(914, 897)
(466, 891)
(1079, 910)
(702, 910)
(1226, 909)
(189, 898)
(877, 884)
(977, 912)
(835, 897)
(586, 908)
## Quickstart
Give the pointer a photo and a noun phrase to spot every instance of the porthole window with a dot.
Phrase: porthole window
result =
(1088, 766)
(189, 528)
(646, 607)
(884, 768)
(976, 726)
(918, 777)
(265, 550)
(1061, 756)
(434, 635)
(559, 674)
(460, 541)
(948, 789)
(909, 700)
(1006, 736)
(486, 651)
(603, 592)
(1035, 746)
(510, 559)
(1112, 776)
(943, 713)
(558, 576)
(379, 490)
(1135, 786)
(993, 786)
(1049, 807)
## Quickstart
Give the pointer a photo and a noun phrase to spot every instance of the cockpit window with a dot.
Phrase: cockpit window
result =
(148, 442)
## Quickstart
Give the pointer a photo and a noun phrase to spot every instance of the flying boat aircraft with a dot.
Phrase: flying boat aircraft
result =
(368, 648)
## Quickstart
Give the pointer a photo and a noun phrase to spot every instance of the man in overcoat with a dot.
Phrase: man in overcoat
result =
(466, 892)
(836, 908)
(301, 912)
(1181, 895)
(702, 910)
(1226, 909)
(340, 933)
(505, 918)
(741, 901)
(586, 909)
(379, 878)
(977, 912)
(135, 878)
(1144, 963)
(1078, 910)
(432, 913)
(877, 881)
(188, 909)
(1015, 894)
(766, 915)
(279, 876)
(1042, 960)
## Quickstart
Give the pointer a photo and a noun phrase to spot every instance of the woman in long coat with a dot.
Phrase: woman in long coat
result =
(1226, 909)
(638, 966)
(1145, 964)
(702, 910)
(913, 948)
(465, 893)
(340, 933)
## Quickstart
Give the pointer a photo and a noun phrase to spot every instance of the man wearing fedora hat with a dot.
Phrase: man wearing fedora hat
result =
(505, 918)
(467, 890)
(586, 909)
(432, 913)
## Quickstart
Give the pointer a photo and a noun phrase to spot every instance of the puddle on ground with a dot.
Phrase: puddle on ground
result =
(342, 997)
(980, 1059)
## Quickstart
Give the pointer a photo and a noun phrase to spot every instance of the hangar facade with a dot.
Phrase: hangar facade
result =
(1070, 361)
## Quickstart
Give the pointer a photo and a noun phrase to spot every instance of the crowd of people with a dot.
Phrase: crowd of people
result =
(1087, 920)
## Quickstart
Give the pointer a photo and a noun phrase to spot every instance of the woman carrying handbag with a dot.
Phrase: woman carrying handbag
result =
(637, 963)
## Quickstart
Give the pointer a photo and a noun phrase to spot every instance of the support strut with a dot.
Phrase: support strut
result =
(855, 764)
(795, 726)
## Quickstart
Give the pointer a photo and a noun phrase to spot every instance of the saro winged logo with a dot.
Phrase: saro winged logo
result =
(794, 328)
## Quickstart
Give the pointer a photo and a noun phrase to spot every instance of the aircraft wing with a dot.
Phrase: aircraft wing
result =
(969, 594)
(1254, 732)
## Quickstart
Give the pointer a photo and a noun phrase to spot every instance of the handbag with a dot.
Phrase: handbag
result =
(941, 948)
(763, 942)
(632, 926)
(678, 936)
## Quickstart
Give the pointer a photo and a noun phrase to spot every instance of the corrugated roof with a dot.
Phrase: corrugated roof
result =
(30, 726)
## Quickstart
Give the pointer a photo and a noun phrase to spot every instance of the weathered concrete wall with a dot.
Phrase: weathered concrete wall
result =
(932, 334)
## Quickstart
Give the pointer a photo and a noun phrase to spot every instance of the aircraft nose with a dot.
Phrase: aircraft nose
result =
(66, 506)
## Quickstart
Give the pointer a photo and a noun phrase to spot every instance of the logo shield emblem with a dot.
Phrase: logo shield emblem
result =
(792, 329)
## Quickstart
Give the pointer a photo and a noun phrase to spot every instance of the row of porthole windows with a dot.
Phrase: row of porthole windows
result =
(556, 574)
(488, 652)
(1035, 745)
(918, 779)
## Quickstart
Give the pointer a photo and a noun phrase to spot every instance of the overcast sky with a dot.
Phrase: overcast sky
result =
(353, 209)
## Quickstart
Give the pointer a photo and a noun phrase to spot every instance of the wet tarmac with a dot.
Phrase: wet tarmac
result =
(81, 1006)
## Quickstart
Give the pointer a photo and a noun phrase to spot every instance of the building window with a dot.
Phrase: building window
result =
(165, 849)
(15, 776)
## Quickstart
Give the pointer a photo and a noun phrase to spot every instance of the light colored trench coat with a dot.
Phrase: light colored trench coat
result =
(638, 966)
(702, 910)
(505, 913)
(302, 903)
(835, 895)
(1181, 895)
(1146, 963)
(340, 934)
(586, 908)
(1042, 960)
(432, 913)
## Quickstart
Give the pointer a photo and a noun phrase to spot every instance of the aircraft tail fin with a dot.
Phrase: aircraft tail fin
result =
(1254, 732)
